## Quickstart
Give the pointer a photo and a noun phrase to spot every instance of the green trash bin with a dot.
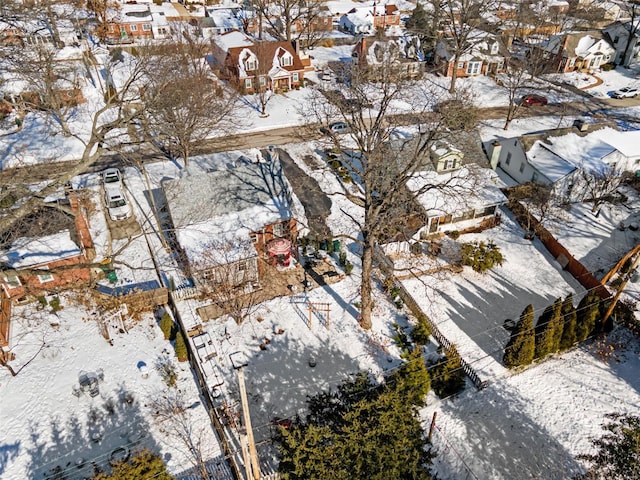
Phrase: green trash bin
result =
(336, 245)
(112, 276)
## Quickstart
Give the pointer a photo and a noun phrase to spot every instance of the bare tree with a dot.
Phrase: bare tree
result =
(379, 157)
(540, 200)
(290, 19)
(227, 275)
(184, 104)
(598, 184)
(176, 420)
(104, 12)
(459, 19)
(632, 9)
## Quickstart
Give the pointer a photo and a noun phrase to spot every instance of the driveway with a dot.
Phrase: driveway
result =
(317, 205)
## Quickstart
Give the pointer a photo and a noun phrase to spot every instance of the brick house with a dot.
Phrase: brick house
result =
(365, 20)
(484, 56)
(403, 52)
(135, 22)
(248, 64)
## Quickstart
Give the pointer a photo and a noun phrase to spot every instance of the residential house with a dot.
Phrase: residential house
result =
(618, 34)
(559, 157)
(249, 64)
(219, 20)
(47, 252)
(133, 22)
(484, 56)
(574, 51)
(228, 218)
(404, 53)
(366, 20)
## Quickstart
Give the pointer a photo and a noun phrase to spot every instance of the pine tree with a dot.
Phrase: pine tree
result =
(145, 465)
(448, 375)
(412, 378)
(569, 319)
(166, 325)
(545, 330)
(181, 348)
(587, 316)
(557, 325)
(521, 347)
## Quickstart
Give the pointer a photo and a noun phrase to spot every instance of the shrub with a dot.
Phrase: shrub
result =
(607, 67)
(454, 234)
(521, 347)
(421, 331)
(342, 258)
(482, 257)
(181, 348)
(348, 267)
(166, 325)
(168, 373)
(447, 376)
(55, 304)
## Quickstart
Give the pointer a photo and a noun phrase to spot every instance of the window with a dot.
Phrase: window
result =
(162, 31)
(45, 277)
(460, 65)
(263, 81)
(278, 230)
(287, 61)
(508, 160)
(254, 237)
(146, 27)
(534, 177)
(123, 30)
(296, 77)
(500, 65)
(12, 281)
(616, 39)
(134, 28)
(250, 65)
(247, 83)
(494, 49)
(473, 68)
(521, 167)
(450, 163)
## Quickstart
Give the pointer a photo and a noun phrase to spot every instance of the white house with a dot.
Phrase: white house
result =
(556, 158)
(618, 34)
(577, 51)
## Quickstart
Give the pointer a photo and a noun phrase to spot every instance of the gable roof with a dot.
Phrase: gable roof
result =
(266, 53)
(32, 252)
(227, 203)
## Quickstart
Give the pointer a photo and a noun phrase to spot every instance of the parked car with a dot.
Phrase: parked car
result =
(532, 99)
(626, 92)
(117, 204)
(336, 127)
(112, 179)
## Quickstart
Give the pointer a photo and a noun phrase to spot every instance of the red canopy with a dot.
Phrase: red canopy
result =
(279, 246)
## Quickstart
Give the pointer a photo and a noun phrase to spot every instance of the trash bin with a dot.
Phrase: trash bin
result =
(336, 245)
(323, 245)
(113, 278)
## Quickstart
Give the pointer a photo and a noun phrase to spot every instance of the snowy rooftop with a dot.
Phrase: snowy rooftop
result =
(233, 39)
(469, 188)
(30, 252)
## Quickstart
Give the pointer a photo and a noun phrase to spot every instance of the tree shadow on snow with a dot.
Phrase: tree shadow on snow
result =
(110, 427)
(501, 441)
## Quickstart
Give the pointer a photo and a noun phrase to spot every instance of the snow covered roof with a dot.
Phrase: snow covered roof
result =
(471, 187)
(233, 39)
(32, 252)
(627, 143)
(224, 18)
(228, 202)
(556, 156)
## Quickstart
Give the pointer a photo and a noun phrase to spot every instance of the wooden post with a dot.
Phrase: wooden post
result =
(620, 289)
(253, 454)
(433, 426)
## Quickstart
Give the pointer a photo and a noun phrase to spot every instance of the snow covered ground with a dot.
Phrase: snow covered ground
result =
(45, 426)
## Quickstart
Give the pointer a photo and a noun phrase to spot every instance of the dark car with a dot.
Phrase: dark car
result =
(531, 100)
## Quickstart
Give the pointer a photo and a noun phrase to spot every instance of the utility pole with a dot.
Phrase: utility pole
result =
(627, 276)
(253, 470)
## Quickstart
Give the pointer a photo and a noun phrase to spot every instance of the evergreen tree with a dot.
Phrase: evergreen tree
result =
(448, 377)
(412, 378)
(545, 330)
(145, 465)
(557, 325)
(181, 347)
(521, 347)
(166, 325)
(421, 24)
(569, 317)
(362, 430)
(618, 450)
(587, 316)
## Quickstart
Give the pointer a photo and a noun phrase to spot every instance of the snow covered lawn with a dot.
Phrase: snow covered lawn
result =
(44, 425)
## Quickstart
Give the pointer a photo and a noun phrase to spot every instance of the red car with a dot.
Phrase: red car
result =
(531, 100)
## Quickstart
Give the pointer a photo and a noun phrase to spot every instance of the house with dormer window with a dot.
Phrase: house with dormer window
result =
(484, 55)
(249, 64)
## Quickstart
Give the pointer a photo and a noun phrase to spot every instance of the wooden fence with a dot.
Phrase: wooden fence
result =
(386, 266)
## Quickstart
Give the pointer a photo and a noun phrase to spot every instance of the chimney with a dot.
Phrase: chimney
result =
(494, 153)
